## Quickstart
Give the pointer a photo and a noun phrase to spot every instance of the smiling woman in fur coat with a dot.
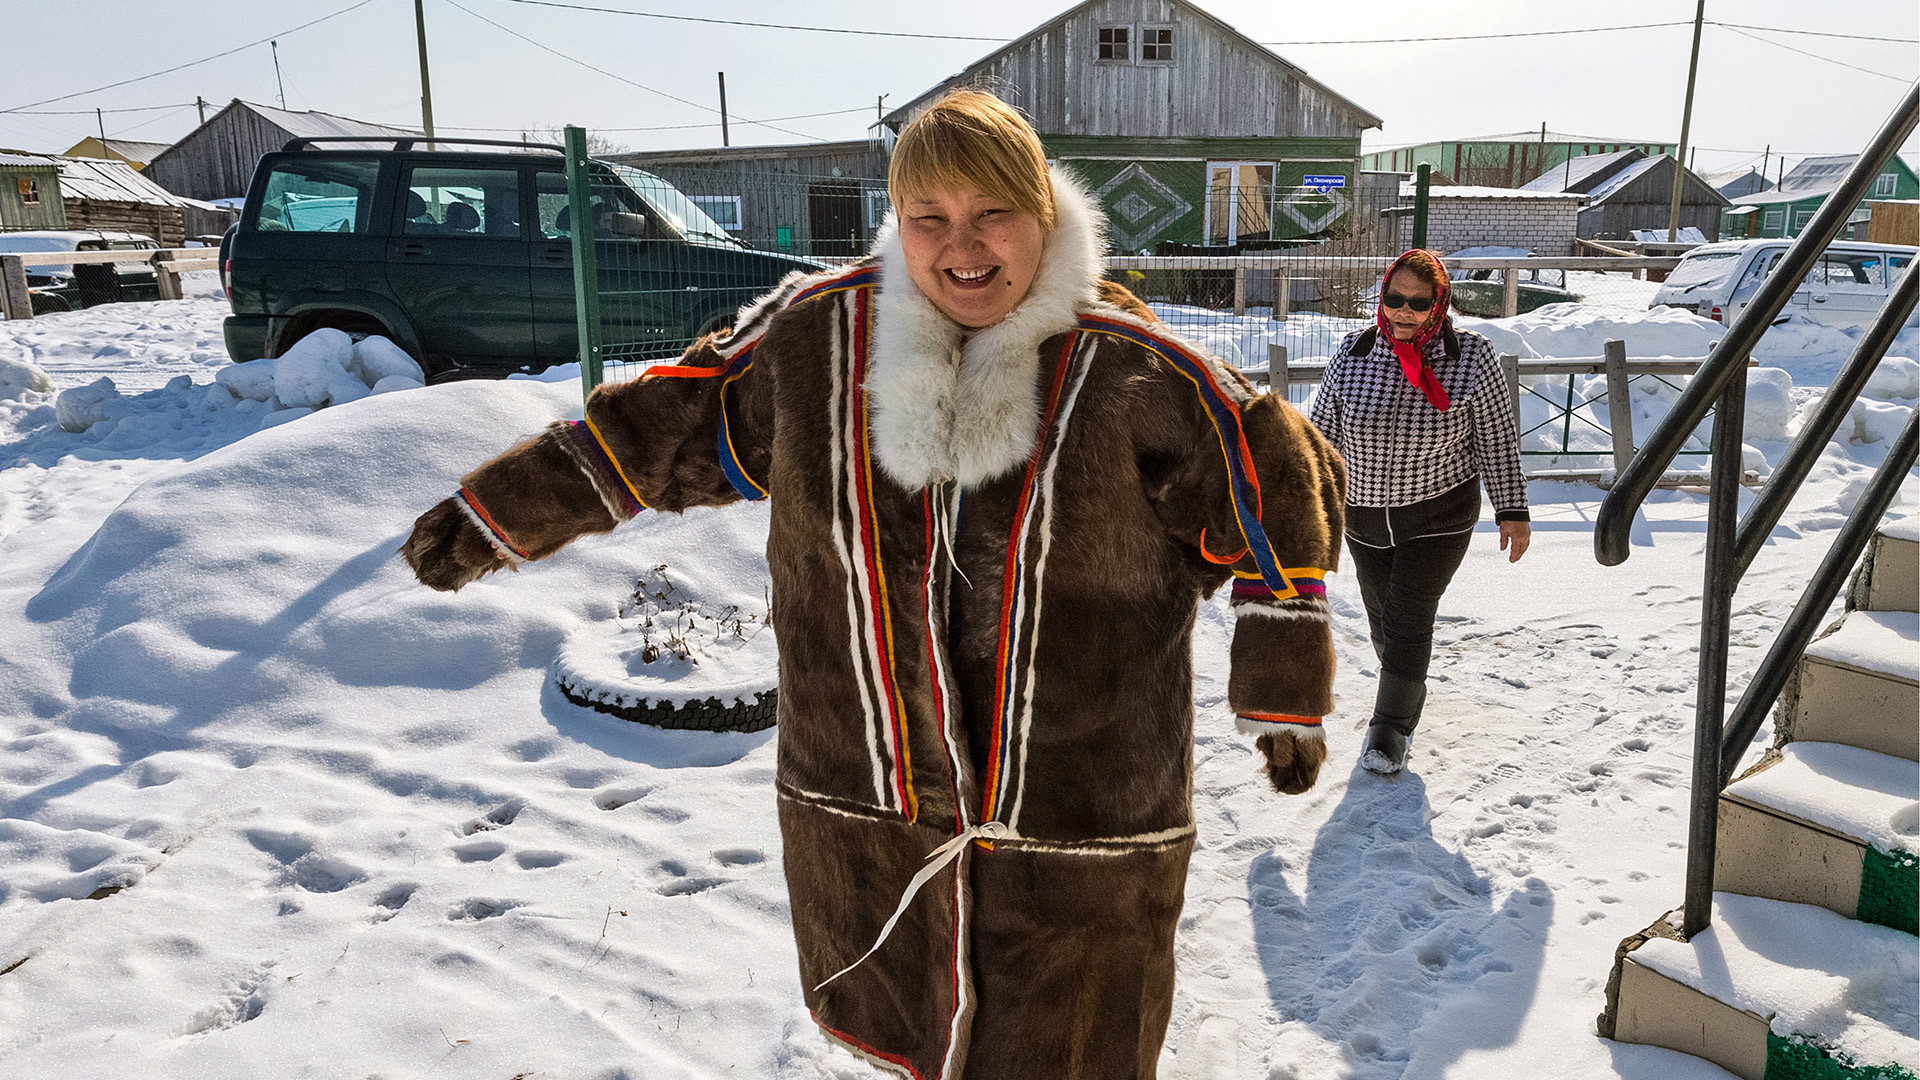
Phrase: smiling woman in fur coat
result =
(999, 492)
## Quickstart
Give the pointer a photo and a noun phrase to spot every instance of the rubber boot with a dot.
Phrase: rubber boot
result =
(1396, 712)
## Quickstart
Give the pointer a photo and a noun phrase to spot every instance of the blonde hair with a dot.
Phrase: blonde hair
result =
(972, 139)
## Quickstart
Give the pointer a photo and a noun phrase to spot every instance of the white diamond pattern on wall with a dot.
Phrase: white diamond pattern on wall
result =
(1142, 207)
(1292, 205)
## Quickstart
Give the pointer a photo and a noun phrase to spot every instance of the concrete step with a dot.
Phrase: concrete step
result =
(1889, 575)
(1826, 824)
(1860, 685)
(1771, 991)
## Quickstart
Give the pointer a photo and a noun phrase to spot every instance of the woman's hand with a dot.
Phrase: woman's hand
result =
(1514, 538)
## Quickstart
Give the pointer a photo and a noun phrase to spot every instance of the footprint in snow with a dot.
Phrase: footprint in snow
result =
(477, 908)
(245, 1000)
(479, 851)
(392, 899)
(616, 797)
(498, 818)
(681, 883)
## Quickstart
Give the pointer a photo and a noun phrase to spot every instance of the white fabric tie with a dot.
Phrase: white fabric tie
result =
(937, 860)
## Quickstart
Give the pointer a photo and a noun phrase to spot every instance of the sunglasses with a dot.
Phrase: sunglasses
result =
(1417, 303)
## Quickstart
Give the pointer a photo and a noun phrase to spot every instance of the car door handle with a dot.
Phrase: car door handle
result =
(1819, 299)
(412, 250)
(556, 256)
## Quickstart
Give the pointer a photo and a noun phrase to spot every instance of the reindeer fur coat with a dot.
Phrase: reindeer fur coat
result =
(987, 551)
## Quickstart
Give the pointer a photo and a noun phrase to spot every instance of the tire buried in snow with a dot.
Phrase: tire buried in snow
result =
(709, 714)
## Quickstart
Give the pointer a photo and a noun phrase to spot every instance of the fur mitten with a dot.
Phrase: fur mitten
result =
(447, 550)
(1293, 763)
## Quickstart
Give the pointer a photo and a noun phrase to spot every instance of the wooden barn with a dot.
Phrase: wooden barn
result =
(814, 198)
(1631, 189)
(216, 159)
(30, 192)
(1190, 132)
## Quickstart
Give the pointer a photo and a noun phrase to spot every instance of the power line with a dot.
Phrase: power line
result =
(1471, 37)
(90, 112)
(1816, 56)
(678, 127)
(1810, 33)
(759, 25)
(190, 63)
(621, 78)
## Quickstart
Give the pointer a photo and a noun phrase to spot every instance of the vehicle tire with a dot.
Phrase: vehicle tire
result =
(47, 305)
(706, 715)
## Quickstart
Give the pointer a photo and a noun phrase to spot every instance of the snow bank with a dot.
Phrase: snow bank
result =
(18, 378)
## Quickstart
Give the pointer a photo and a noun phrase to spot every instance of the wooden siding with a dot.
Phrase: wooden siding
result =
(777, 189)
(163, 223)
(1218, 85)
(47, 213)
(1646, 201)
(217, 161)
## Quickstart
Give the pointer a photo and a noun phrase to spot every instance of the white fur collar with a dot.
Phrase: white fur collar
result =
(946, 406)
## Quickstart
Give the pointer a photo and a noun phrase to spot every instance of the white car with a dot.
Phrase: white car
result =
(1845, 288)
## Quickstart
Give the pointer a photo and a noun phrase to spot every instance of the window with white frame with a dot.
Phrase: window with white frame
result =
(1885, 184)
(723, 209)
(877, 204)
(1800, 219)
(1156, 44)
(1116, 44)
(1775, 219)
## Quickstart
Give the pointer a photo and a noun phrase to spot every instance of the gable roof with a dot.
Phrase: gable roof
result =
(111, 181)
(310, 125)
(1817, 174)
(1584, 172)
(898, 117)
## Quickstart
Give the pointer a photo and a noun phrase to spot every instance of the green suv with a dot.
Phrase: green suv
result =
(464, 258)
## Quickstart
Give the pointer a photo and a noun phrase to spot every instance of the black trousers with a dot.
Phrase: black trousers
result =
(1404, 558)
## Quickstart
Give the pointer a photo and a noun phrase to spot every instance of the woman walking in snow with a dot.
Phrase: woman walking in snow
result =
(1419, 409)
(999, 492)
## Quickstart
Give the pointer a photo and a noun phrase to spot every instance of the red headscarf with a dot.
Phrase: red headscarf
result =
(1412, 354)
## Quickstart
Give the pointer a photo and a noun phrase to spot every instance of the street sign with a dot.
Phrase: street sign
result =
(1323, 184)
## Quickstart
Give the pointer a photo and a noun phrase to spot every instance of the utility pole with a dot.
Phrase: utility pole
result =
(1542, 163)
(1686, 123)
(278, 81)
(426, 84)
(100, 119)
(1765, 156)
(201, 104)
(723, 110)
(1422, 179)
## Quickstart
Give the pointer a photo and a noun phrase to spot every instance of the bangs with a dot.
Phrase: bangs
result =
(972, 139)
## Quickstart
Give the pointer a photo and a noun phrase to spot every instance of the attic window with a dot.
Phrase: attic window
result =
(1114, 42)
(29, 188)
(1156, 44)
(1885, 183)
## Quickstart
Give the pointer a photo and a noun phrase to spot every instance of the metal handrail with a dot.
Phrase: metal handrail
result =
(1613, 527)
(1721, 385)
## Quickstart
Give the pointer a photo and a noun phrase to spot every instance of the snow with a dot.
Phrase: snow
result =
(1884, 641)
(1856, 792)
(355, 830)
(1849, 986)
(1907, 528)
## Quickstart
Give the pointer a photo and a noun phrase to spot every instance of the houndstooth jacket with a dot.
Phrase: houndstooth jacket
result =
(1399, 448)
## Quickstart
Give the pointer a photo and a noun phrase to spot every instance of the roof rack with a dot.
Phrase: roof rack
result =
(407, 143)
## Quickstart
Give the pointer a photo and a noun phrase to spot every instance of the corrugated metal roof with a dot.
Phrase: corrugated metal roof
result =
(133, 150)
(1472, 191)
(1624, 177)
(315, 125)
(1817, 174)
(1571, 175)
(111, 181)
(20, 158)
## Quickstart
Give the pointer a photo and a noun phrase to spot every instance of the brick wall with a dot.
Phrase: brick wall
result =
(1544, 226)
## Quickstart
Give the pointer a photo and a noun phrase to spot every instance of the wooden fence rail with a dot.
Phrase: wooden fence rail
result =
(168, 264)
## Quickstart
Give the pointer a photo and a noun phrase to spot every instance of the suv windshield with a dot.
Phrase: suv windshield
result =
(678, 211)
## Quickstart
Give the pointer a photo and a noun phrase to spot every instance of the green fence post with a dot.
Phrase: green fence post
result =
(1422, 180)
(586, 271)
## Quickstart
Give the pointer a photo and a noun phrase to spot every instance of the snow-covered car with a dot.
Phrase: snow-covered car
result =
(1845, 289)
(66, 287)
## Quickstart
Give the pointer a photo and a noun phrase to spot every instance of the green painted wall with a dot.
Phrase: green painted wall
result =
(15, 214)
(1155, 190)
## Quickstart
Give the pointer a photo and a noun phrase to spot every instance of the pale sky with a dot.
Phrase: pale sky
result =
(1627, 84)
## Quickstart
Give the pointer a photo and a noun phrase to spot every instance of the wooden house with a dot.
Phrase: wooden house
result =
(1630, 190)
(1804, 188)
(30, 192)
(216, 160)
(1189, 131)
(813, 198)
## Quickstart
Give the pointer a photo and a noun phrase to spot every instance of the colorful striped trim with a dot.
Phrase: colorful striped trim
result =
(593, 446)
(1225, 414)
(738, 365)
(1282, 718)
(1010, 589)
(1307, 581)
(495, 534)
(859, 279)
(867, 521)
(860, 1049)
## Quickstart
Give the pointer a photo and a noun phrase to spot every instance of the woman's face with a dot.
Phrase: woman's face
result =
(973, 256)
(1404, 320)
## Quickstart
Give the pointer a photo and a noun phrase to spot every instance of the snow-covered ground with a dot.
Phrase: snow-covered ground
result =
(273, 809)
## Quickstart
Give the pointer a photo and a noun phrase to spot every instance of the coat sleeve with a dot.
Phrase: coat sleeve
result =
(1496, 439)
(1261, 493)
(694, 433)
